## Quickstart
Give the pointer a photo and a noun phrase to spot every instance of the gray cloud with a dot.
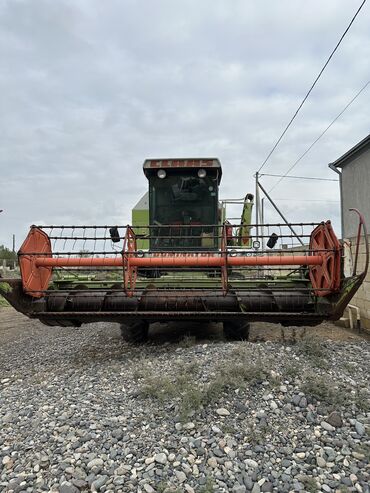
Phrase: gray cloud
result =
(90, 89)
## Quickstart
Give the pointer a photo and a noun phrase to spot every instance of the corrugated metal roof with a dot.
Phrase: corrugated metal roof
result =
(353, 153)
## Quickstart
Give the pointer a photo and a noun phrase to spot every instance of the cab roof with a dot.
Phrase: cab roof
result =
(150, 164)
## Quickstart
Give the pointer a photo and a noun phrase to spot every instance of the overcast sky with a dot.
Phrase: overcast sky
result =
(89, 89)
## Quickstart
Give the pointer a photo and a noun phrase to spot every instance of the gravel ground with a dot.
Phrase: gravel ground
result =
(82, 411)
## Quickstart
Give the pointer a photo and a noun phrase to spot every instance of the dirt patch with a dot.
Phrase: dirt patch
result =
(326, 330)
(14, 326)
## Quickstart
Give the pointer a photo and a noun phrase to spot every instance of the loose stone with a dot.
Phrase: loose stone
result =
(326, 426)
(161, 458)
(222, 411)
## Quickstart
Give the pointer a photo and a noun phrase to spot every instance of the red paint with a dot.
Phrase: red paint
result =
(179, 261)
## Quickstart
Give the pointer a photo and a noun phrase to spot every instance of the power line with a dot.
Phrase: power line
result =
(312, 86)
(319, 137)
(299, 177)
(308, 200)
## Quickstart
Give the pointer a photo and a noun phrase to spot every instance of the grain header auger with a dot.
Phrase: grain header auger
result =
(184, 259)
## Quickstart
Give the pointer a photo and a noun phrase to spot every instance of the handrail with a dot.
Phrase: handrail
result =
(361, 226)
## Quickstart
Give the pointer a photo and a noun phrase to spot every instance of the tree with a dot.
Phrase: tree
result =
(7, 254)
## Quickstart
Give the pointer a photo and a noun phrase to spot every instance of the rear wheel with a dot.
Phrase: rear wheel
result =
(236, 330)
(135, 332)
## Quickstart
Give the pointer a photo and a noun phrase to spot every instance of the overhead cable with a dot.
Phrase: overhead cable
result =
(310, 200)
(312, 86)
(300, 177)
(319, 137)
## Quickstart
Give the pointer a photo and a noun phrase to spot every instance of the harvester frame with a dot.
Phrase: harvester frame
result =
(189, 270)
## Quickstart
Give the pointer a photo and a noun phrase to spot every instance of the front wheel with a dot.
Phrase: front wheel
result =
(135, 332)
(236, 330)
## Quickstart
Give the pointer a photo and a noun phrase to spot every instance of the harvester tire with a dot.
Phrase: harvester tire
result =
(236, 331)
(135, 332)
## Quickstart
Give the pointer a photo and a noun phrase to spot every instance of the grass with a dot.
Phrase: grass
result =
(325, 390)
(362, 401)
(313, 349)
(365, 450)
(311, 346)
(163, 487)
(292, 371)
(160, 388)
(3, 302)
(179, 388)
(4, 288)
(185, 387)
(229, 429)
(241, 350)
(208, 487)
(350, 366)
(258, 435)
(310, 484)
(140, 372)
(187, 341)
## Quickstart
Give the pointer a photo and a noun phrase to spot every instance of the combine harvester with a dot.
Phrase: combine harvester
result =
(182, 259)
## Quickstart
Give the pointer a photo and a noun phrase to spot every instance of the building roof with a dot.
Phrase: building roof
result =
(358, 149)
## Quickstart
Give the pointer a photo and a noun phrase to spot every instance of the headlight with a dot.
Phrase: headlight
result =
(161, 173)
(202, 173)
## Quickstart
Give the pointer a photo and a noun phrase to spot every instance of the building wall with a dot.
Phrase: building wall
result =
(362, 297)
(355, 192)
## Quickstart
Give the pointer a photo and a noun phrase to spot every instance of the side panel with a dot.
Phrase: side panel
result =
(141, 218)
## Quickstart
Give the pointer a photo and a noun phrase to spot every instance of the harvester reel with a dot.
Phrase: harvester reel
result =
(325, 278)
(35, 279)
(264, 285)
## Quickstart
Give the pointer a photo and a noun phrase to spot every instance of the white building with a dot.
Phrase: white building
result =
(354, 170)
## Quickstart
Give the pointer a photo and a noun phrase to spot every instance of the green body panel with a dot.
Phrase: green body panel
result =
(244, 236)
(195, 280)
(140, 217)
(202, 281)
